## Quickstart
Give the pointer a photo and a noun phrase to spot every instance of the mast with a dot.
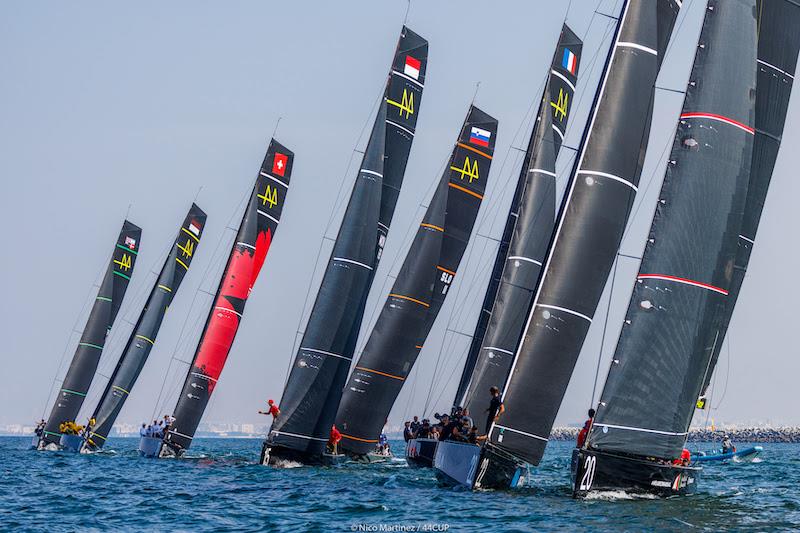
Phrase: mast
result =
(256, 231)
(525, 238)
(420, 288)
(778, 45)
(319, 370)
(144, 334)
(686, 271)
(87, 356)
(589, 229)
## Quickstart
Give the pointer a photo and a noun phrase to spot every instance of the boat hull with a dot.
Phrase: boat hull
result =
(35, 443)
(150, 447)
(71, 443)
(471, 466)
(279, 456)
(593, 470)
(421, 452)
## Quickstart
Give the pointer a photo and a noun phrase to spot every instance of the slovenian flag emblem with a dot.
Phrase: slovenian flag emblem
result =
(194, 227)
(479, 137)
(570, 61)
(412, 67)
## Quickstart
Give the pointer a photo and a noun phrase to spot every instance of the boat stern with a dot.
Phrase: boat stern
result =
(593, 470)
(421, 452)
(71, 443)
(150, 447)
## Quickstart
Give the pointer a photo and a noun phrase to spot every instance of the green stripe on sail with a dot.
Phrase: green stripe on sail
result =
(90, 345)
(103, 298)
(74, 392)
(128, 249)
(122, 275)
(51, 433)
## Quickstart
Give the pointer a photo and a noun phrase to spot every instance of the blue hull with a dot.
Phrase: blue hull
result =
(71, 443)
(747, 454)
(149, 446)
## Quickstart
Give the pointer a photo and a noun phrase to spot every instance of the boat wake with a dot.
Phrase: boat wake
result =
(285, 463)
(618, 495)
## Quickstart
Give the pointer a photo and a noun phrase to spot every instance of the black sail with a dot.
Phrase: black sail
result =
(144, 334)
(686, 271)
(778, 45)
(589, 229)
(87, 356)
(420, 288)
(320, 367)
(525, 238)
(259, 223)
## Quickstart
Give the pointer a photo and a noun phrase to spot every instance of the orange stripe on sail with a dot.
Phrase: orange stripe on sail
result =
(381, 373)
(410, 299)
(476, 195)
(468, 147)
(443, 269)
(437, 228)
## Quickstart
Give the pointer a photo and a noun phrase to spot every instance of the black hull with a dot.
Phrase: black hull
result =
(420, 452)
(601, 471)
(279, 456)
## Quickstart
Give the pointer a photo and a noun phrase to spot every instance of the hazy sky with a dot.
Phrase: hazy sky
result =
(109, 106)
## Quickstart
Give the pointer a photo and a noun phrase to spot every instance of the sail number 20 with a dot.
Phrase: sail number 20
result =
(589, 466)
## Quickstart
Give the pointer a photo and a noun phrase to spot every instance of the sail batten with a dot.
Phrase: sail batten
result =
(249, 251)
(686, 272)
(320, 366)
(104, 311)
(143, 336)
(420, 288)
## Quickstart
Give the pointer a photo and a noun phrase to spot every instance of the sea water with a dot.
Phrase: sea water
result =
(219, 487)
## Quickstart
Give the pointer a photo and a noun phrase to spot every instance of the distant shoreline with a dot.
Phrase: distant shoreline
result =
(790, 434)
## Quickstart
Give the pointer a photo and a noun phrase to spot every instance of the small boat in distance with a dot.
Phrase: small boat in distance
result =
(743, 455)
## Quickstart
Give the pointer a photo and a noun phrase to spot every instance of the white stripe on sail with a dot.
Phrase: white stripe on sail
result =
(273, 178)
(496, 349)
(520, 432)
(298, 436)
(272, 218)
(345, 260)
(672, 433)
(323, 352)
(395, 124)
(637, 46)
(570, 311)
(528, 259)
(542, 171)
(409, 78)
(557, 73)
(770, 65)
(609, 176)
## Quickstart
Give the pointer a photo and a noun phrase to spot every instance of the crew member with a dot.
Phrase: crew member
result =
(727, 445)
(584, 432)
(273, 410)
(496, 408)
(334, 439)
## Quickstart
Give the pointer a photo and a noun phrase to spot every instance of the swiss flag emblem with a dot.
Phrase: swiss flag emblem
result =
(279, 164)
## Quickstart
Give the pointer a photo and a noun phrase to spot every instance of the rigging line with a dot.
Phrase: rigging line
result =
(274, 131)
(128, 212)
(728, 370)
(408, 8)
(605, 328)
(199, 189)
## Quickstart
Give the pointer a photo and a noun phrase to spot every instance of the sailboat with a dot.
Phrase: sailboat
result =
(248, 252)
(524, 243)
(320, 367)
(588, 231)
(84, 363)
(778, 44)
(420, 289)
(680, 302)
(522, 246)
(143, 336)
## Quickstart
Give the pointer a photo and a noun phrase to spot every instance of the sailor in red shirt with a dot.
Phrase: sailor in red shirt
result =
(684, 459)
(273, 410)
(587, 426)
(335, 437)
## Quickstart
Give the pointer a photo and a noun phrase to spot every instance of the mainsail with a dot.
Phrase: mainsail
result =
(256, 231)
(144, 334)
(778, 45)
(87, 356)
(420, 288)
(319, 370)
(525, 237)
(589, 229)
(686, 271)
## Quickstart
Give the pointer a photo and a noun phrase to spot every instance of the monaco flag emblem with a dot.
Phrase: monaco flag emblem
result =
(279, 164)
(412, 67)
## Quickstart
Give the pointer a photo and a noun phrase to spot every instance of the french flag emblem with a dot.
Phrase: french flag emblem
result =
(479, 137)
(570, 61)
